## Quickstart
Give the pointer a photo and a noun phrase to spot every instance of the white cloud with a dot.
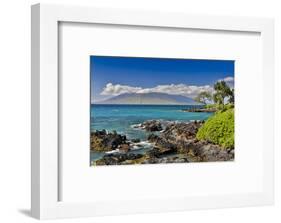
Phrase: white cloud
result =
(117, 89)
(177, 89)
(229, 81)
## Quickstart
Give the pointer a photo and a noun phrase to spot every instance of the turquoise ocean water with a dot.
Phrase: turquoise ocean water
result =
(121, 118)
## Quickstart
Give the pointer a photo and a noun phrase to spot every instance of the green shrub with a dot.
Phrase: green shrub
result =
(226, 107)
(220, 107)
(208, 106)
(219, 129)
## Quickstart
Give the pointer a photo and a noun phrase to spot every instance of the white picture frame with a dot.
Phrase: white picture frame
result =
(45, 200)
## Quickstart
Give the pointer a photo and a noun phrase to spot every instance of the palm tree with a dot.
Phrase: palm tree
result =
(203, 97)
(222, 91)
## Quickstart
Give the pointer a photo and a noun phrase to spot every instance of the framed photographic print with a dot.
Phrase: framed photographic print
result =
(153, 110)
(139, 111)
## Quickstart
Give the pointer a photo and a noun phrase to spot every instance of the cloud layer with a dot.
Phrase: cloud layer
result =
(117, 89)
(176, 89)
(229, 81)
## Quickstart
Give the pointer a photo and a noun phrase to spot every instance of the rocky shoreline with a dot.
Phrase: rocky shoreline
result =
(171, 142)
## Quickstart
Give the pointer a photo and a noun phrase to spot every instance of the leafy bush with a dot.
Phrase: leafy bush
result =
(227, 107)
(219, 129)
(210, 106)
(219, 107)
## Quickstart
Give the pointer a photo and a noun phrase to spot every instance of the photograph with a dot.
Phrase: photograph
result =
(161, 110)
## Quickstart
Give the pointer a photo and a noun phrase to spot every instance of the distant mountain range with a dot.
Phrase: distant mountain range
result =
(149, 99)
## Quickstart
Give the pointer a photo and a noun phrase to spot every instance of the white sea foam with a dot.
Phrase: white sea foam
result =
(113, 151)
(136, 126)
(141, 145)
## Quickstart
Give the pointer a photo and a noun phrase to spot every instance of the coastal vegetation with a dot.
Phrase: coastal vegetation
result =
(219, 128)
(203, 97)
(223, 93)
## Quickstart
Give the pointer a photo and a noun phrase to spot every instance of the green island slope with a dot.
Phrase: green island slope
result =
(219, 129)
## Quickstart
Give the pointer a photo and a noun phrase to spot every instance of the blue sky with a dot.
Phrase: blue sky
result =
(111, 76)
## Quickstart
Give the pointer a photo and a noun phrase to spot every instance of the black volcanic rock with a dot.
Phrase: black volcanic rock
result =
(180, 138)
(118, 158)
(102, 141)
(151, 125)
